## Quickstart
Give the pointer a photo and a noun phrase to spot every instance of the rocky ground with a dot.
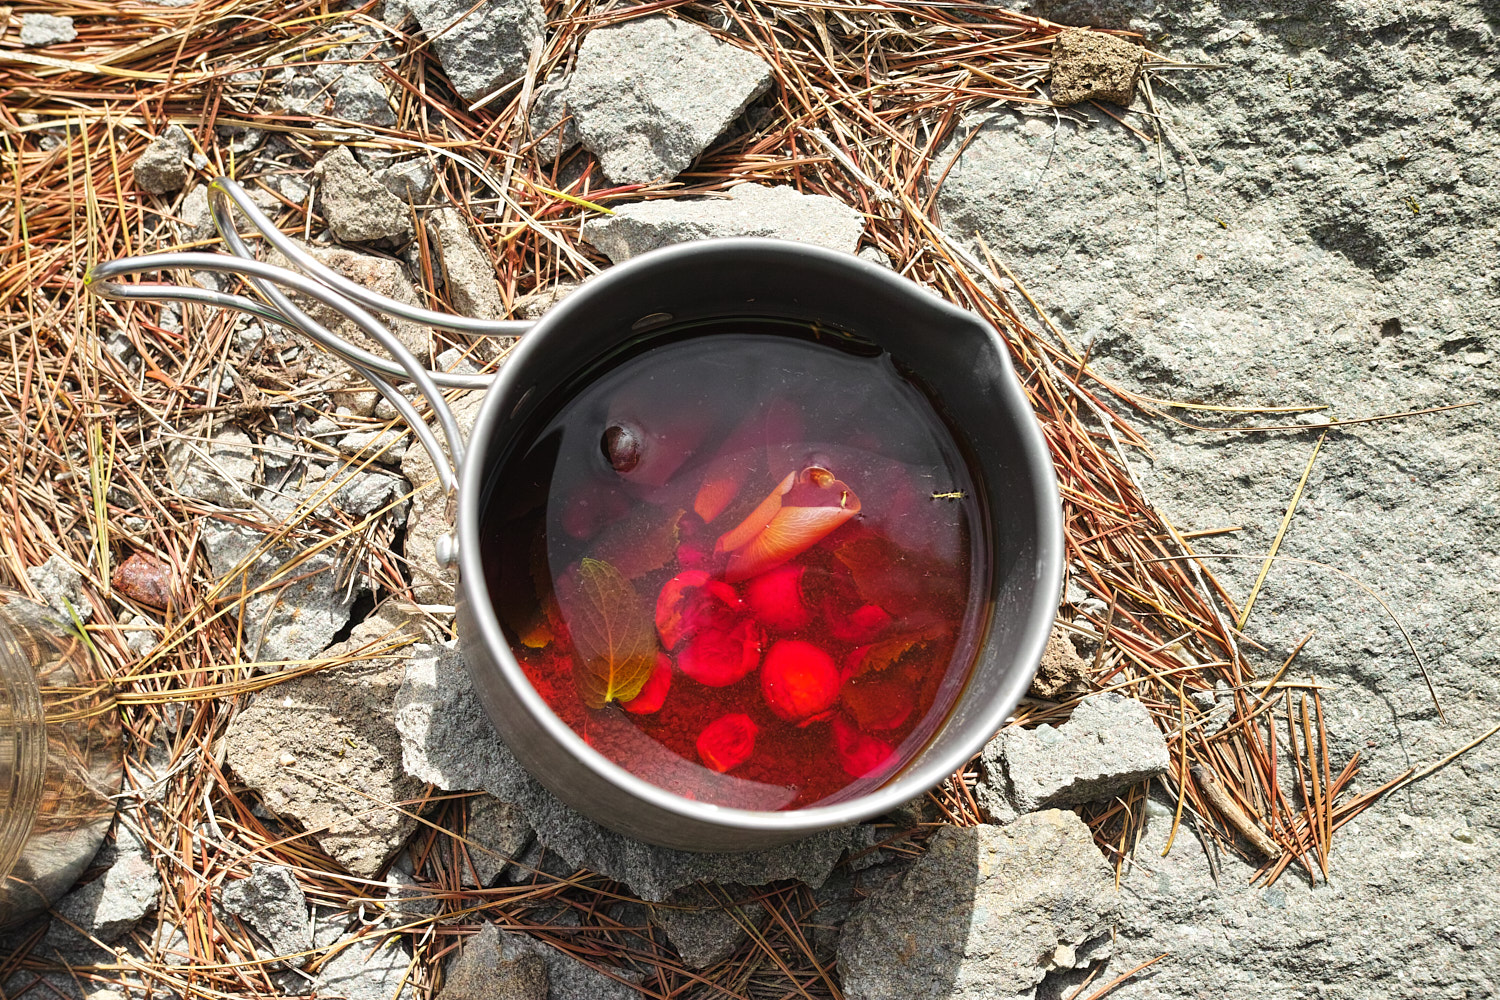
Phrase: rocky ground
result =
(1320, 228)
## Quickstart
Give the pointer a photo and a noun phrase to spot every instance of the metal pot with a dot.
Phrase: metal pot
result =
(959, 359)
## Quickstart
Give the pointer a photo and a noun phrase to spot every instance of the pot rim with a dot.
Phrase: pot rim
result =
(906, 784)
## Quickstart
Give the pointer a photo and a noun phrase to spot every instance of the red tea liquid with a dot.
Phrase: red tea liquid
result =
(743, 564)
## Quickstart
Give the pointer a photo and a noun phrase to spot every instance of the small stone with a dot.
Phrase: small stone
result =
(383, 446)
(481, 47)
(987, 912)
(1109, 744)
(406, 898)
(197, 219)
(535, 305)
(649, 95)
(144, 579)
(750, 210)
(454, 360)
(1089, 65)
(409, 180)
(271, 902)
(357, 207)
(467, 272)
(1062, 670)
(551, 122)
(360, 96)
(368, 492)
(706, 927)
(221, 471)
(497, 834)
(46, 29)
(59, 586)
(141, 635)
(374, 967)
(116, 901)
(163, 167)
(339, 727)
(480, 972)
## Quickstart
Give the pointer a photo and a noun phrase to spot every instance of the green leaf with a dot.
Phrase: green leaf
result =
(614, 641)
(643, 542)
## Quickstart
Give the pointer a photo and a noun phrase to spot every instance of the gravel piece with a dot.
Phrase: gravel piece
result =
(700, 925)
(163, 166)
(272, 903)
(549, 112)
(46, 29)
(360, 96)
(409, 180)
(987, 912)
(357, 207)
(367, 492)
(536, 304)
(372, 968)
(59, 586)
(481, 48)
(497, 833)
(1062, 671)
(336, 728)
(467, 272)
(197, 220)
(222, 470)
(1091, 66)
(116, 901)
(383, 446)
(480, 972)
(750, 210)
(1109, 744)
(649, 95)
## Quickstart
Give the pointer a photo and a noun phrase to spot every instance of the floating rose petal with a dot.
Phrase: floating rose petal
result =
(859, 753)
(798, 680)
(804, 507)
(776, 599)
(860, 626)
(654, 693)
(718, 656)
(727, 742)
(691, 602)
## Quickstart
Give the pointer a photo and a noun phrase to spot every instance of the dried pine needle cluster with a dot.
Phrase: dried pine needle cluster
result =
(866, 96)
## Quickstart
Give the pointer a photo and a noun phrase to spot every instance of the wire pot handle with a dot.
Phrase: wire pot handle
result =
(322, 284)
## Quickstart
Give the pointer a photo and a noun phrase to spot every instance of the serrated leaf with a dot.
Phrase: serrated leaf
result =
(614, 641)
(879, 657)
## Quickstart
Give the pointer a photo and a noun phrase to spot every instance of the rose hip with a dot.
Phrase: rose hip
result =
(798, 680)
(859, 753)
(727, 742)
(654, 694)
(776, 599)
(720, 657)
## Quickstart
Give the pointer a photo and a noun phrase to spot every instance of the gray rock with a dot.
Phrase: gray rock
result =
(409, 180)
(750, 210)
(360, 96)
(429, 518)
(481, 972)
(1324, 284)
(453, 360)
(467, 272)
(383, 446)
(197, 219)
(551, 121)
(649, 95)
(447, 740)
(323, 751)
(357, 207)
(222, 470)
(46, 29)
(305, 600)
(271, 902)
(373, 967)
(406, 897)
(481, 47)
(163, 166)
(368, 492)
(59, 586)
(116, 901)
(1109, 744)
(705, 926)
(986, 912)
(497, 833)
(536, 304)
